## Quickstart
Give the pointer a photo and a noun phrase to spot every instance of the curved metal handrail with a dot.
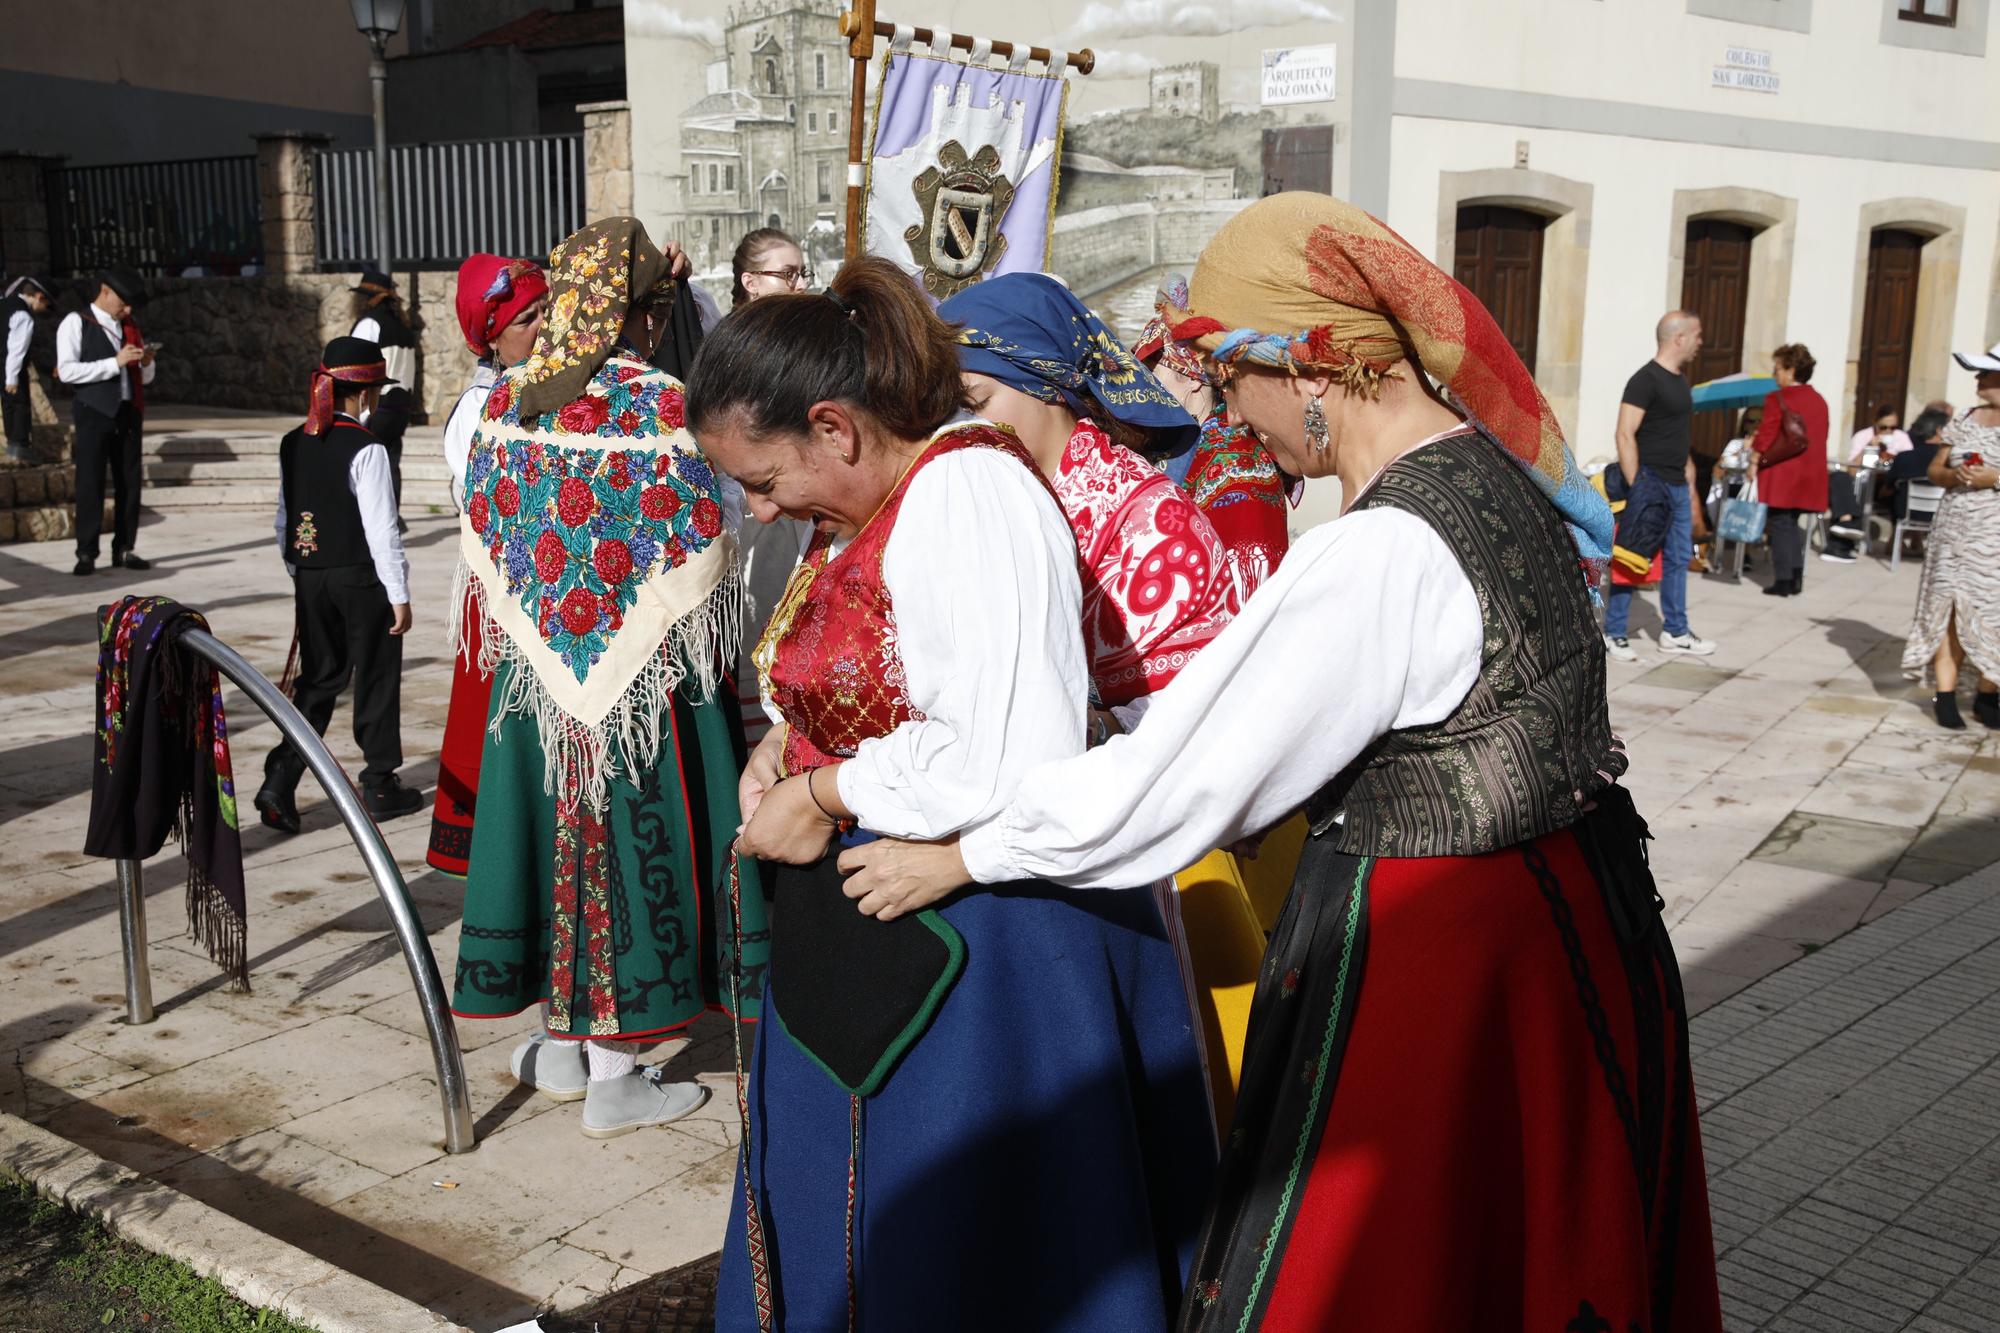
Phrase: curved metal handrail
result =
(452, 1088)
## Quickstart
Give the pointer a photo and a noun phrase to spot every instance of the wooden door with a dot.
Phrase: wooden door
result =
(1715, 286)
(1888, 322)
(1499, 258)
(1298, 157)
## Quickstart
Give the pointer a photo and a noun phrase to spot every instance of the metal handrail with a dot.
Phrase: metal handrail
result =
(452, 1088)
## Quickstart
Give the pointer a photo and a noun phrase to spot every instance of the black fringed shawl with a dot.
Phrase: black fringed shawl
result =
(162, 766)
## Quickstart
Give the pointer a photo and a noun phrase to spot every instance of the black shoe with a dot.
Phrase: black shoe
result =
(85, 565)
(1779, 588)
(390, 799)
(276, 807)
(130, 561)
(1986, 707)
(1799, 584)
(1946, 707)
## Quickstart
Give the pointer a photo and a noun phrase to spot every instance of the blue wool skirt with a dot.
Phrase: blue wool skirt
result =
(1040, 1159)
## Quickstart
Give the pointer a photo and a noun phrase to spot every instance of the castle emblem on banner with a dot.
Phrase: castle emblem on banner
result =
(962, 200)
(962, 170)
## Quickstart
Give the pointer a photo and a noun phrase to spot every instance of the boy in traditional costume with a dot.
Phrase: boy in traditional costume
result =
(336, 525)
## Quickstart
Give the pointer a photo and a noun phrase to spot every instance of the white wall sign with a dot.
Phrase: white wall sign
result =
(1745, 68)
(1298, 74)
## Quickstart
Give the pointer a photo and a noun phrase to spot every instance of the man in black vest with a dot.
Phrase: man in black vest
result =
(100, 354)
(382, 321)
(350, 582)
(27, 300)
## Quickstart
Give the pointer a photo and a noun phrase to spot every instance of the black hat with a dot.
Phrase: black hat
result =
(20, 285)
(374, 279)
(355, 354)
(131, 288)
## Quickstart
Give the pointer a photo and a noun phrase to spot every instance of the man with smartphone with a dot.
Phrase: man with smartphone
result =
(101, 355)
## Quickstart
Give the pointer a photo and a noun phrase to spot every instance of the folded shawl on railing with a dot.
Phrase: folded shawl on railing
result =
(162, 766)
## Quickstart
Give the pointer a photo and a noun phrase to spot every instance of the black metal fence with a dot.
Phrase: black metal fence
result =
(515, 196)
(157, 217)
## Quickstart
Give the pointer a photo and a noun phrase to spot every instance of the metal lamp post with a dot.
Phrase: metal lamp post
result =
(378, 20)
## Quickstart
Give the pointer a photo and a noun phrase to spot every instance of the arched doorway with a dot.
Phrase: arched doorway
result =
(1499, 257)
(1888, 320)
(1715, 285)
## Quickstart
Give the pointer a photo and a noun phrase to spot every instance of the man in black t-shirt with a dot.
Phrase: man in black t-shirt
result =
(1655, 425)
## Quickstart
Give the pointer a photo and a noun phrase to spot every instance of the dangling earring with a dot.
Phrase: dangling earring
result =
(1316, 432)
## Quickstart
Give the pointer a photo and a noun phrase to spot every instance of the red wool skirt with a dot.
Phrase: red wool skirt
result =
(1466, 1104)
(458, 762)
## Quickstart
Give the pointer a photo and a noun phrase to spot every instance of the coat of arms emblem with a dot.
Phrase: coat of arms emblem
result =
(961, 201)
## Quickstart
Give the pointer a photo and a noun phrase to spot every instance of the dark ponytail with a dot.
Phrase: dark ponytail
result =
(873, 343)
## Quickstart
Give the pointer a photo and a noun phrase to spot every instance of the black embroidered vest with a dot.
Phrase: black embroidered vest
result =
(1532, 741)
(95, 344)
(323, 527)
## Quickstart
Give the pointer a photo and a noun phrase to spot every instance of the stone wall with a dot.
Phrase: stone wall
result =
(1100, 247)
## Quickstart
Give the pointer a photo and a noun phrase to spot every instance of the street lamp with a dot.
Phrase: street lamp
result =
(378, 20)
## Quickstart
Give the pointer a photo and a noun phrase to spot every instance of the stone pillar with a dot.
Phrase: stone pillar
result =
(607, 159)
(24, 213)
(286, 200)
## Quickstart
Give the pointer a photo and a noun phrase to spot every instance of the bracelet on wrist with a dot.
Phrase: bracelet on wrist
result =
(842, 824)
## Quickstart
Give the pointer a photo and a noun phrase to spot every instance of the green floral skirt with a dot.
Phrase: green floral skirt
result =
(621, 921)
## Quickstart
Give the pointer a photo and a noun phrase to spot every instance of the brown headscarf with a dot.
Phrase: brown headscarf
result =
(595, 278)
(1306, 281)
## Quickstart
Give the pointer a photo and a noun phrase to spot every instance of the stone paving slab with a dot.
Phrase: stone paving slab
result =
(308, 1109)
(1851, 1117)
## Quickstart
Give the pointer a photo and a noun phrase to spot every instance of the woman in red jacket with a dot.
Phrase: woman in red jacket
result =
(1796, 485)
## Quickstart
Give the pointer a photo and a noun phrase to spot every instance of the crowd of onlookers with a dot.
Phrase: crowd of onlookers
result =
(1776, 485)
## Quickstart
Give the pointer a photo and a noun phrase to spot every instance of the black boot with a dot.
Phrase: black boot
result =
(275, 800)
(388, 798)
(1778, 587)
(1945, 705)
(1986, 707)
(1798, 583)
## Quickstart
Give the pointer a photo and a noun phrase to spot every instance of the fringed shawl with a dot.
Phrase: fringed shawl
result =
(594, 544)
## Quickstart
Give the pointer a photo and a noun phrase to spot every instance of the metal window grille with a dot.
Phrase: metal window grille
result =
(447, 200)
(156, 217)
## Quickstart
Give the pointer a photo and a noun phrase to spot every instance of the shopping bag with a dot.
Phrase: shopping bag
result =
(1743, 517)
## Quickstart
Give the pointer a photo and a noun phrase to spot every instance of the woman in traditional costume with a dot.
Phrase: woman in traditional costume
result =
(500, 303)
(602, 576)
(1228, 474)
(1466, 1101)
(1158, 581)
(921, 1148)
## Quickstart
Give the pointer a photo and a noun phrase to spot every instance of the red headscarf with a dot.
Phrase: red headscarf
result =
(492, 290)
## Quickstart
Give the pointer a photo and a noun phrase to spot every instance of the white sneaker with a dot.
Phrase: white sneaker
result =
(1836, 558)
(1686, 644)
(553, 1068)
(1851, 534)
(1619, 649)
(615, 1106)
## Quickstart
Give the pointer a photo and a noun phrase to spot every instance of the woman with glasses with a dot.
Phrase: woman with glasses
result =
(768, 262)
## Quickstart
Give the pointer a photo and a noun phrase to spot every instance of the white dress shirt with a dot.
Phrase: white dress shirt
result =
(1369, 625)
(989, 610)
(20, 332)
(72, 369)
(463, 424)
(368, 478)
(401, 361)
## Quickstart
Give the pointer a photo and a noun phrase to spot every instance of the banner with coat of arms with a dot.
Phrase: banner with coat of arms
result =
(962, 174)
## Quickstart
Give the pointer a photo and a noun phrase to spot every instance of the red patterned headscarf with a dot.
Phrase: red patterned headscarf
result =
(1306, 281)
(492, 290)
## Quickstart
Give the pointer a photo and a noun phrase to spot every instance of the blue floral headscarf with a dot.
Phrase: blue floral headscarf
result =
(1029, 332)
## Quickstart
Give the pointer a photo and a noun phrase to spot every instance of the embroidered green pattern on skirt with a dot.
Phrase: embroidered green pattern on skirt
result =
(620, 921)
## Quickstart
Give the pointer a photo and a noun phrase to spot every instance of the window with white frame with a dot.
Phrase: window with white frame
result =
(819, 69)
(812, 122)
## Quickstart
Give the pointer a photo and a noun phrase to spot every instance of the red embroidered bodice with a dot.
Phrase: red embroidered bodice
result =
(1158, 583)
(829, 660)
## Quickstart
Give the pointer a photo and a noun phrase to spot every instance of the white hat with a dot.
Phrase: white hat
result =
(1976, 363)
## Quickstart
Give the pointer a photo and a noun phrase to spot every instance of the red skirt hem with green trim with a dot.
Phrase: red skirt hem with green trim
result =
(1466, 1104)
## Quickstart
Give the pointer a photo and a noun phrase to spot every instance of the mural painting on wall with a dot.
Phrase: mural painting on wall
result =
(1175, 130)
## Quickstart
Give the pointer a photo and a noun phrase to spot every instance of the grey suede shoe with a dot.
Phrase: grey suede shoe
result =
(553, 1068)
(632, 1101)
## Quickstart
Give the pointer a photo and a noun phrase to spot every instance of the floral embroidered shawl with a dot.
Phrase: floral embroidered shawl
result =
(1158, 583)
(594, 541)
